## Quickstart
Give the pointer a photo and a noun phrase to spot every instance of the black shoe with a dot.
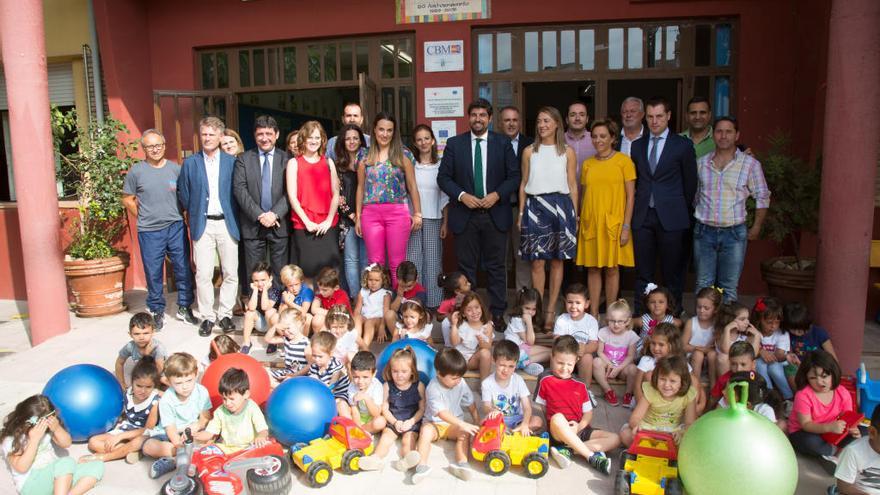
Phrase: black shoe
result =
(206, 328)
(185, 313)
(158, 321)
(500, 325)
(226, 324)
(271, 349)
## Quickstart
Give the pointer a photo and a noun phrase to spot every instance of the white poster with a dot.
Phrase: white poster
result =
(444, 102)
(443, 130)
(444, 56)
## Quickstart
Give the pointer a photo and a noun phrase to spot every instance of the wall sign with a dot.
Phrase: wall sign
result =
(444, 56)
(418, 11)
(444, 102)
(443, 130)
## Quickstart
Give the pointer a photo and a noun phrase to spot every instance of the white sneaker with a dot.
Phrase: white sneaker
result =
(462, 471)
(370, 463)
(533, 369)
(421, 473)
(562, 460)
(831, 458)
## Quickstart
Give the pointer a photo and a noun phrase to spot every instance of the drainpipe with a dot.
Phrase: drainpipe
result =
(96, 64)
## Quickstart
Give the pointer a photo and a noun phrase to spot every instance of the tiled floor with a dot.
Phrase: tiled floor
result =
(24, 371)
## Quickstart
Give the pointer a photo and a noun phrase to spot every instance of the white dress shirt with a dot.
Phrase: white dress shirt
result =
(484, 148)
(212, 169)
(626, 143)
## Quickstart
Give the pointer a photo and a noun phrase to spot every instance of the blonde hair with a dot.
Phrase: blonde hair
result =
(289, 273)
(305, 131)
(559, 137)
(375, 268)
(181, 364)
(621, 305)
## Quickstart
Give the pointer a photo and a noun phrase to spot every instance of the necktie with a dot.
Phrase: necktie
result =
(266, 186)
(652, 158)
(478, 169)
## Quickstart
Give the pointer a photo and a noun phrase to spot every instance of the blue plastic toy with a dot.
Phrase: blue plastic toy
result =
(88, 398)
(300, 410)
(424, 358)
(869, 391)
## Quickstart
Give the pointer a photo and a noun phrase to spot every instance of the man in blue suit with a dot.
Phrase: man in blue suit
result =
(479, 171)
(205, 192)
(666, 182)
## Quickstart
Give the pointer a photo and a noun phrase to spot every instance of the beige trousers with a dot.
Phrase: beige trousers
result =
(216, 241)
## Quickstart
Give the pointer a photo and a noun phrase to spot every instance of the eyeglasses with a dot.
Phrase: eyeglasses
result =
(617, 322)
(154, 147)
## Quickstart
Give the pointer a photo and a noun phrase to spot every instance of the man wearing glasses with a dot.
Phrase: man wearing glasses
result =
(150, 194)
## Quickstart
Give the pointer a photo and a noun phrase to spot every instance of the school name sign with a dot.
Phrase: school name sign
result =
(419, 11)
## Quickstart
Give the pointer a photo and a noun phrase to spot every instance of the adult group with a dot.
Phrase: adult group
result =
(595, 194)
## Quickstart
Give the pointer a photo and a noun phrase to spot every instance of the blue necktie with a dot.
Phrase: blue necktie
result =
(266, 187)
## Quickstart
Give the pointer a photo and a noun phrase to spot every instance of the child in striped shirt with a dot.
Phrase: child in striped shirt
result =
(329, 370)
(291, 324)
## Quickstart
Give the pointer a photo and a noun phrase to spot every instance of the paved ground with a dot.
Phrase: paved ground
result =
(25, 370)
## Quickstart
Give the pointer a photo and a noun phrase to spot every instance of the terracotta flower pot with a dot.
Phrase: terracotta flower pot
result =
(97, 285)
(787, 283)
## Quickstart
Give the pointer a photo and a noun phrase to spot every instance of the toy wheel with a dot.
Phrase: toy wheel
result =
(536, 465)
(192, 487)
(319, 474)
(273, 479)
(497, 462)
(351, 461)
(673, 487)
(621, 483)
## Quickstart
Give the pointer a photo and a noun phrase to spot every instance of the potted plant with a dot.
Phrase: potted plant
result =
(794, 208)
(94, 170)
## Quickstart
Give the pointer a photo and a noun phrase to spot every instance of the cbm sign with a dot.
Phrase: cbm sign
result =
(444, 56)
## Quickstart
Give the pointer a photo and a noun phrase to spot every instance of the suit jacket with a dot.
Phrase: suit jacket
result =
(247, 186)
(673, 183)
(521, 145)
(456, 175)
(192, 190)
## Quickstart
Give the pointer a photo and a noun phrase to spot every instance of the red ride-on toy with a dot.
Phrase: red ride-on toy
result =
(207, 470)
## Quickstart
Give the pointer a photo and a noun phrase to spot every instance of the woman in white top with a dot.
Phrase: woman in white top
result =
(425, 247)
(547, 195)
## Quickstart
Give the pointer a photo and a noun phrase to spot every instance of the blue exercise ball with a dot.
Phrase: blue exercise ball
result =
(424, 358)
(300, 410)
(88, 398)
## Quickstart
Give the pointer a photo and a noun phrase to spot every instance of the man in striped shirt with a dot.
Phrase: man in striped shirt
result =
(727, 178)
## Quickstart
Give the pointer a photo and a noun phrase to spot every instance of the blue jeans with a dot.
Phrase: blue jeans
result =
(354, 259)
(774, 375)
(719, 253)
(173, 241)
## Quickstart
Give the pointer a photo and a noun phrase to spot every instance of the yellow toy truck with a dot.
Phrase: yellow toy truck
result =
(500, 449)
(649, 466)
(342, 447)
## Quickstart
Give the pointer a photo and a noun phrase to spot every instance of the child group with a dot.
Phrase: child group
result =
(775, 349)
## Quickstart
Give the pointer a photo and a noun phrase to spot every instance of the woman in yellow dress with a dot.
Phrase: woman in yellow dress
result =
(604, 240)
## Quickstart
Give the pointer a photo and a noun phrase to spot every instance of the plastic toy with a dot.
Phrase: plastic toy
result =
(88, 398)
(300, 410)
(424, 358)
(869, 391)
(257, 376)
(736, 451)
(649, 466)
(208, 470)
(342, 448)
(500, 449)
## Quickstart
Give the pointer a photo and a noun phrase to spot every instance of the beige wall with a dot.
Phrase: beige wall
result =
(67, 27)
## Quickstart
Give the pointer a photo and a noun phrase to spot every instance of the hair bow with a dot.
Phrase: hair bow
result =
(760, 307)
(371, 266)
(719, 289)
(650, 287)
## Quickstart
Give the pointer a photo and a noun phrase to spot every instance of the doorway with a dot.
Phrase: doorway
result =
(558, 94)
(620, 89)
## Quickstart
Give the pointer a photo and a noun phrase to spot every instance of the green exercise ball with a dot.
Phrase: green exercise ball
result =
(736, 451)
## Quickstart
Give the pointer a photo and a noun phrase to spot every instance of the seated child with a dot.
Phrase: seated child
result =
(472, 333)
(447, 396)
(408, 288)
(742, 359)
(329, 370)
(568, 411)
(142, 343)
(186, 404)
(139, 415)
(664, 341)
(859, 462)
(292, 324)
(340, 323)
(221, 344)
(415, 322)
(329, 294)
(581, 325)
(817, 406)
(296, 295)
(698, 337)
(403, 408)
(524, 317)
(372, 303)
(365, 393)
(805, 337)
(667, 403)
(733, 326)
(767, 403)
(505, 393)
(261, 311)
(660, 305)
(766, 317)
(617, 351)
(455, 286)
(26, 442)
(239, 422)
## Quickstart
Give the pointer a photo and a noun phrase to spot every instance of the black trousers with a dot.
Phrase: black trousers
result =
(255, 250)
(482, 244)
(649, 241)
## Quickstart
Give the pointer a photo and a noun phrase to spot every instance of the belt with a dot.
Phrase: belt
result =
(215, 217)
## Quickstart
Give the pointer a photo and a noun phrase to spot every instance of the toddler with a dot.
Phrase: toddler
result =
(766, 317)
(372, 303)
(617, 351)
(860, 461)
(524, 317)
(329, 370)
(767, 403)
(408, 288)
(581, 325)
(505, 393)
(660, 305)
(699, 332)
(329, 295)
(143, 343)
(805, 337)
(454, 285)
(340, 323)
(415, 322)
(733, 326)
(292, 324)
(261, 311)
(742, 359)
(239, 420)
(296, 295)
(365, 393)
(664, 341)
(472, 333)
(667, 402)
(221, 344)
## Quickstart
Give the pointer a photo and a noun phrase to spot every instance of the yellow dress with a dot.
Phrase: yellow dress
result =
(602, 210)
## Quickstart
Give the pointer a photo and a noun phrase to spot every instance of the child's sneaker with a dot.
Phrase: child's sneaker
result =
(533, 369)
(407, 462)
(161, 467)
(600, 462)
(462, 471)
(611, 397)
(593, 401)
(421, 473)
(271, 349)
(245, 349)
(628, 400)
(133, 457)
(370, 463)
(562, 456)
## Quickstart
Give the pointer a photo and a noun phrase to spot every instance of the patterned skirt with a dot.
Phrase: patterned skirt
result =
(549, 229)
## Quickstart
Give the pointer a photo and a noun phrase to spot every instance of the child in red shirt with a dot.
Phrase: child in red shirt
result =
(328, 295)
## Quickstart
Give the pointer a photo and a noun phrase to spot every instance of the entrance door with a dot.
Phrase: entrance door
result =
(369, 98)
(558, 94)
